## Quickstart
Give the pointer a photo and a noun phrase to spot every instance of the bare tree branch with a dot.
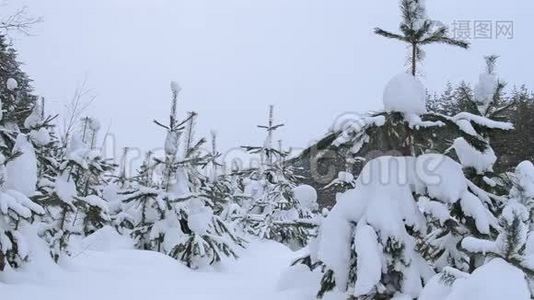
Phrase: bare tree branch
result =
(19, 21)
(81, 100)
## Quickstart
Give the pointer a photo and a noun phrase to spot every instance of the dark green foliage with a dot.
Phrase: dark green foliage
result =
(418, 30)
(19, 102)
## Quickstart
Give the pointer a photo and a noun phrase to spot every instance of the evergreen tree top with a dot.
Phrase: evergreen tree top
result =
(418, 30)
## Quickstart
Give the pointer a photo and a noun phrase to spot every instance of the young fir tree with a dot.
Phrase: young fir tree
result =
(72, 191)
(472, 148)
(141, 204)
(418, 30)
(15, 88)
(116, 185)
(434, 217)
(18, 162)
(225, 191)
(90, 172)
(273, 211)
(172, 216)
(512, 248)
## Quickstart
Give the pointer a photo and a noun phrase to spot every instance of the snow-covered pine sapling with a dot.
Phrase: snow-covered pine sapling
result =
(18, 165)
(210, 237)
(88, 169)
(155, 220)
(513, 246)
(112, 192)
(484, 117)
(406, 129)
(514, 242)
(16, 211)
(369, 241)
(72, 195)
(59, 199)
(218, 188)
(418, 30)
(344, 181)
(16, 95)
(523, 188)
(488, 89)
(215, 165)
(273, 212)
(142, 205)
(173, 216)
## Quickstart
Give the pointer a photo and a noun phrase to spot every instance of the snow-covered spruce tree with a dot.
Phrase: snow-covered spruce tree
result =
(40, 128)
(172, 215)
(141, 203)
(120, 184)
(16, 209)
(472, 148)
(225, 191)
(90, 173)
(507, 260)
(368, 242)
(273, 211)
(407, 129)
(483, 117)
(418, 30)
(18, 170)
(446, 210)
(72, 191)
(15, 88)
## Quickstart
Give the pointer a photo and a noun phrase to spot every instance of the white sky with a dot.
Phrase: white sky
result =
(312, 59)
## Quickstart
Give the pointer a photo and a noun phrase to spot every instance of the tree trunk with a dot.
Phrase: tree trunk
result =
(414, 58)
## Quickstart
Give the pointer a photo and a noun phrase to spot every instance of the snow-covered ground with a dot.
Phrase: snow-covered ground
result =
(112, 270)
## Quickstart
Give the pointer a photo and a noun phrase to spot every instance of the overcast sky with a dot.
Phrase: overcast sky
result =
(312, 59)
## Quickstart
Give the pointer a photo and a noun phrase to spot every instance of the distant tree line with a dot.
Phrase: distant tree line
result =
(517, 106)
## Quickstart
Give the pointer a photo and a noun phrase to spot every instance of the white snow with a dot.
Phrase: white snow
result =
(442, 176)
(352, 128)
(479, 120)
(298, 276)
(524, 177)
(473, 207)
(306, 195)
(19, 203)
(40, 137)
(104, 267)
(485, 88)
(34, 118)
(405, 93)
(96, 201)
(471, 157)
(383, 202)
(171, 142)
(436, 209)
(175, 87)
(496, 280)
(65, 188)
(437, 288)
(106, 239)
(475, 245)
(200, 216)
(369, 259)
(11, 84)
(22, 171)
(415, 121)
(94, 124)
